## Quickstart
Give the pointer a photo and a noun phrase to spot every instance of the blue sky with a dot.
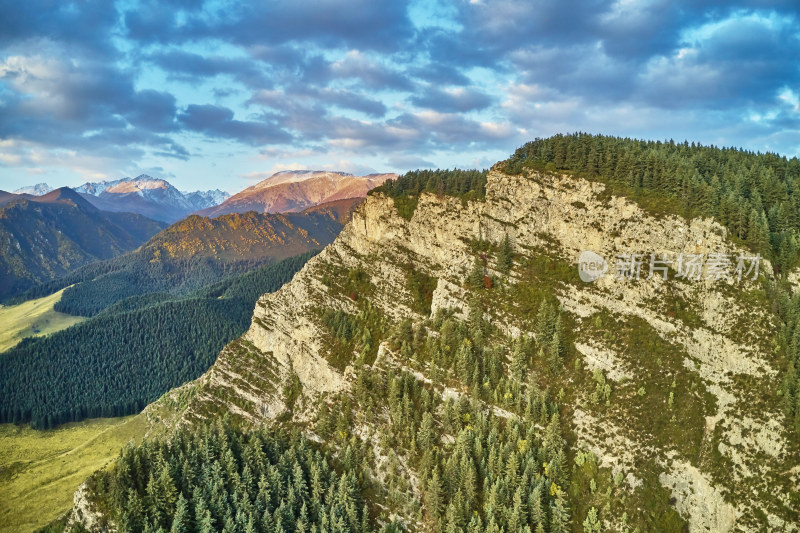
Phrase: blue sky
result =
(219, 94)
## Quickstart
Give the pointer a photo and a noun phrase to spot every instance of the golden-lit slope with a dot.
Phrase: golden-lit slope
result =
(292, 191)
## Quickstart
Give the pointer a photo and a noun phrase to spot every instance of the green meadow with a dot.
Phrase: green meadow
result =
(32, 318)
(40, 470)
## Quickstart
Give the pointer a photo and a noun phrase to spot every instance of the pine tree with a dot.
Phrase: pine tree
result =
(505, 258)
(425, 435)
(475, 278)
(559, 515)
(535, 506)
(519, 361)
(434, 497)
(518, 517)
(181, 521)
(545, 322)
(591, 524)
(205, 523)
(556, 347)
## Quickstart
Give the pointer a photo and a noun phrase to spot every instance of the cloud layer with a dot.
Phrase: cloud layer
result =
(236, 88)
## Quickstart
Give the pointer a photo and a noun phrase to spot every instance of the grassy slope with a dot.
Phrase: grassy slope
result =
(32, 318)
(40, 470)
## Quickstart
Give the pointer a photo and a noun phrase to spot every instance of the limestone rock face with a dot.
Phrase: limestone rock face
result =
(85, 514)
(742, 454)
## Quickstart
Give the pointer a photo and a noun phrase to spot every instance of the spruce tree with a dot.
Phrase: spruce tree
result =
(505, 258)
(559, 515)
(519, 361)
(592, 523)
(181, 521)
(475, 278)
(545, 322)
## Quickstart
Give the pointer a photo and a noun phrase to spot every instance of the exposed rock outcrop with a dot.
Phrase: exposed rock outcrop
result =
(722, 481)
(86, 514)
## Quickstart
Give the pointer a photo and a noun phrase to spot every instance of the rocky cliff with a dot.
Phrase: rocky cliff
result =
(692, 363)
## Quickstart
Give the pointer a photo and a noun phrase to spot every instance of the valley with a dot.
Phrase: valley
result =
(41, 470)
(33, 318)
(440, 365)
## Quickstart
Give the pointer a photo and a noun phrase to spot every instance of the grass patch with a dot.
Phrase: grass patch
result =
(40, 470)
(670, 412)
(34, 318)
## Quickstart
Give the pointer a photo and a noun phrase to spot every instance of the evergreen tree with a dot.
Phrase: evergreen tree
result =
(559, 516)
(519, 361)
(434, 497)
(591, 524)
(475, 277)
(181, 523)
(556, 347)
(505, 258)
(545, 323)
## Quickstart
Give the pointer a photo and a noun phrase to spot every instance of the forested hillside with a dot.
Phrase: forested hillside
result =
(444, 355)
(756, 196)
(129, 355)
(195, 253)
(217, 478)
(45, 237)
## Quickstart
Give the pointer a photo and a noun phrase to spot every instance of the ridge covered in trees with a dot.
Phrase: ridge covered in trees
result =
(133, 352)
(756, 196)
(405, 190)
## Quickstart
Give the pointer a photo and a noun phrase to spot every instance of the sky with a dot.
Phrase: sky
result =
(221, 94)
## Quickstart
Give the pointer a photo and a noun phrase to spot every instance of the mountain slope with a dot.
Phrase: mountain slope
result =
(197, 252)
(251, 234)
(43, 237)
(152, 197)
(296, 190)
(160, 314)
(114, 363)
(667, 390)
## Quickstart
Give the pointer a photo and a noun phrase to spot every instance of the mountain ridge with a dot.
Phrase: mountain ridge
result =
(699, 346)
(34, 190)
(153, 197)
(43, 237)
(291, 191)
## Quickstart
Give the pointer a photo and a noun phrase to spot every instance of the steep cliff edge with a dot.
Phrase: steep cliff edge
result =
(692, 363)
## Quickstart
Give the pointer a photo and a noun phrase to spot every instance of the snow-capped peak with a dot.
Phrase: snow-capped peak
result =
(35, 190)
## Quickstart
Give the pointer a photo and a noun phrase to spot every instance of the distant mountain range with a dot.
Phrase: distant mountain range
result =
(289, 191)
(196, 252)
(44, 237)
(152, 197)
(295, 190)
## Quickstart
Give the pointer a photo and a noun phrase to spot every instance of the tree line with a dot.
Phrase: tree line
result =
(755, 195)
(405, 190)
(219, 478)
(126, 357)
